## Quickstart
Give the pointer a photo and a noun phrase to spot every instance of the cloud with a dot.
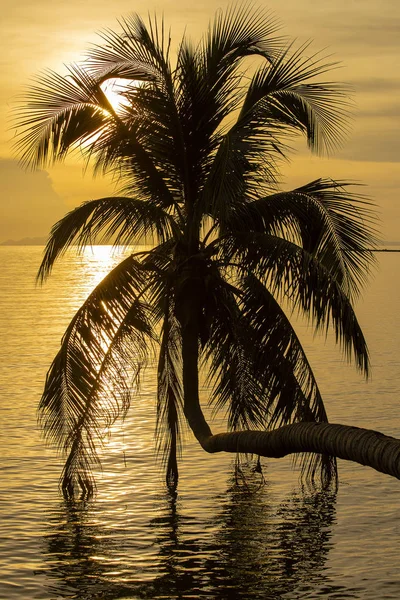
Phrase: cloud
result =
(381, 145)
(366, 32)
(375, 85)
(29, 206)
(385, 111)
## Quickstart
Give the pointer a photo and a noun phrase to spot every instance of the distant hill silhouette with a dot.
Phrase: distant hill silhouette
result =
(27, 241)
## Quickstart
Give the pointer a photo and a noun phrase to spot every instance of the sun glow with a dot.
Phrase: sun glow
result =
(114, 90)
(100, 260)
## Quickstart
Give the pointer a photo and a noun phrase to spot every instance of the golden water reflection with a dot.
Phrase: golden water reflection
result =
(134, 543)
(251, 548)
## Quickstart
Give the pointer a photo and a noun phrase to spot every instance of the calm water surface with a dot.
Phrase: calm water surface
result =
(215, 539)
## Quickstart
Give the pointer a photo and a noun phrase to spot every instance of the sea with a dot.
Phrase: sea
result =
(227, 533)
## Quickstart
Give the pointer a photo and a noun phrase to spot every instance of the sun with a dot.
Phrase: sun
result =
(114, 90)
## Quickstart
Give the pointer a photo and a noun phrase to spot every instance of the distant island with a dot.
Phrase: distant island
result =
(27, 241)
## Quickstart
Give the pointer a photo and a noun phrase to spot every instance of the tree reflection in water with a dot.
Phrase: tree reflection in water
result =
(253, 548)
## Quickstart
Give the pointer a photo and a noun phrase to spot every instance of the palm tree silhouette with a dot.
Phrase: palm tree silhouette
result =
(196, 148)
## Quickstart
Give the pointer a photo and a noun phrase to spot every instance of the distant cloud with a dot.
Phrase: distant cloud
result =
(375, 85)
(380, 32)
(359, 29)
(391, 111)
(378, 145)
(29, 206)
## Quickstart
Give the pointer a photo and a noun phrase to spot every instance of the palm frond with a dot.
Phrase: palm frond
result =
(244, 166)
(66, 113)
(208, 78)
(123, 221)
(123, 55)
(150, 43)
(151, 111)
(336, 226)
(155, 123)
(283, 369)
(88, 385)
(284, 94)
(258, 368)
(228, 354)
(348, 231)
(293, 273)
(281, 362)
(280, 101)
(59, 113)
(124, 151)
(170, 394)
(235, 33)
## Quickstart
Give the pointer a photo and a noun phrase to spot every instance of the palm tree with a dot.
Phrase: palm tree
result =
(196, 148)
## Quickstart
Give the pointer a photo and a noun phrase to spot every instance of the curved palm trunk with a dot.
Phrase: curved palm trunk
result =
(190, 374)
(364, 446)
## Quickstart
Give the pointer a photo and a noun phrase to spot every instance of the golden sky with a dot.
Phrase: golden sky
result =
(363, 34)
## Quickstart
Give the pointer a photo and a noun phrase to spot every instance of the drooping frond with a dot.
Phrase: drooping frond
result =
(123, 55)
(283, 93)
(334, 225)
(244, 166)
(285, 372)
(290, 390)
(255, 357)
(159, 261)
(60, 113)
(258, 368)
(228, 354)
(89, 382)
(65, 113)
(170, 394)
(349, 233)
(280, 101)
(293, 273)
(122, 221)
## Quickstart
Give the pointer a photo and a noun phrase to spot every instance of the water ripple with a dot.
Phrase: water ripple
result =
(214, 539)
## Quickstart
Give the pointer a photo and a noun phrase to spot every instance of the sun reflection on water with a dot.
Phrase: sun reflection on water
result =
(98, 262)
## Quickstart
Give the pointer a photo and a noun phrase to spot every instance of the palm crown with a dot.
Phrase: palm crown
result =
(196, 148)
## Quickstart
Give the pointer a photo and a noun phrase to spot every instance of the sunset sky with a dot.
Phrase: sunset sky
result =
(363, 34)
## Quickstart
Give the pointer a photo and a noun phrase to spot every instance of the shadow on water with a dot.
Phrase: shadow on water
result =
(253, 548)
